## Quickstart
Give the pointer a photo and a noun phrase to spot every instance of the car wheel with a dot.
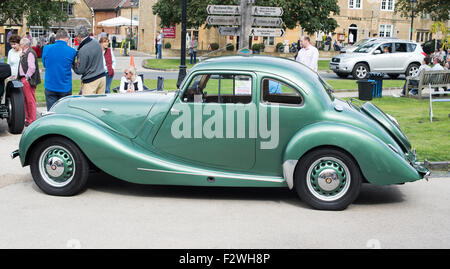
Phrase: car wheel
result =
(16, 112)
(360, 71)
(342, 75)
(412, 70)
(328, 179)
(59, 167)
(393, 76)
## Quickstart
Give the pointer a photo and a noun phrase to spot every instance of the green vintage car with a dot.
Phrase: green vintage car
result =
(241, 121)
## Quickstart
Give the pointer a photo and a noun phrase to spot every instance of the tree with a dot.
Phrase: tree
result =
(438, 9)
(311, 15)
(37, 12)
(441, 28)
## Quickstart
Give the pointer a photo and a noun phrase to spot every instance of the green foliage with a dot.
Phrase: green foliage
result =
(214, 46)
(279, 45)
(256, 46)
(36, 12)
(167, 45)
(438, 9)
(311, 15)
(230, 47)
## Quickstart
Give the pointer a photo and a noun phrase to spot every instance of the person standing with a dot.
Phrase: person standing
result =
(89, 63)
(57, 59)
(308, 55)
(193, 44)
(109, 61)
(30, 78)
(14, 55)
(159, 41)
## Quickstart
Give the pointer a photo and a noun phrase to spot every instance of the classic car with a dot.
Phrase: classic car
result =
(246, 121)
(11, 101)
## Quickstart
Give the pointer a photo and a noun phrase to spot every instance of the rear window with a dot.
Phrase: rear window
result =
(411, 47)
(400, 47)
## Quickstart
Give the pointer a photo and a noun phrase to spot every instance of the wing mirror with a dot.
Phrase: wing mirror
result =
(377, 52)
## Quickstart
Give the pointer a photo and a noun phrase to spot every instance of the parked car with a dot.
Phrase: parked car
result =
(352, 48)
(404, 57)
(243, 121)
(11, 101)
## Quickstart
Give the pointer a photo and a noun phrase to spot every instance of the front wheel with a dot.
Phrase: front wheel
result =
(328, 179)
(59, 167)
(360, 71)
(16, 111)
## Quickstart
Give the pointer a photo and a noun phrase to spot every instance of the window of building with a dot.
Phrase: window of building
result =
(269, 40)
(354, 4)
(273, 91)
(387, 5)
(67, 8)
(386, 30)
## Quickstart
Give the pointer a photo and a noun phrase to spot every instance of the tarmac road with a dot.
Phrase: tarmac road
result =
(116, 214)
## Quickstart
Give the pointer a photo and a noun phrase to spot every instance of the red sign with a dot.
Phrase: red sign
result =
(169, 32)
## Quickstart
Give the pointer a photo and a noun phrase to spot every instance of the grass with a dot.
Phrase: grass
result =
(175, 63)
(431, 139)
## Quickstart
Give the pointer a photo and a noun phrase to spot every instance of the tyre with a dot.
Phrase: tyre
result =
(360, 71)
(16, 111)
(59, 167)
(412, 70)
(393, 76)
(328, 179)
(342, 75)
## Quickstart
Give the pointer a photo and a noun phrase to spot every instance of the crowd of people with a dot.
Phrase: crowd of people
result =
(93, 60)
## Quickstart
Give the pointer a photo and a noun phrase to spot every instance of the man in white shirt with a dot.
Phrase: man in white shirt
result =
(414, 81)
(308, 55)
(436, 65)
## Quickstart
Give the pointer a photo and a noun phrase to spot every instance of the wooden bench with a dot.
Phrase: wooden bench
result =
(432, 92)
(432, 79)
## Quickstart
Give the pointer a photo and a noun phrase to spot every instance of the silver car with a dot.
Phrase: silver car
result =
(353, 47)
(393, 57)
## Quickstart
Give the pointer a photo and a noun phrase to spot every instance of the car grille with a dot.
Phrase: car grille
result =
(335, 60)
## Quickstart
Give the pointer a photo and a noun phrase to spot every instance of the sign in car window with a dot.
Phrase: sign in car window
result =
(243, 85)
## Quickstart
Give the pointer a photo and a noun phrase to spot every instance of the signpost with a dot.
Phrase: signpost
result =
(246, 20)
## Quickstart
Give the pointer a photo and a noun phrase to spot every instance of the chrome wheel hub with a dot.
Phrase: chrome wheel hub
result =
(56, 166)
(328, 179)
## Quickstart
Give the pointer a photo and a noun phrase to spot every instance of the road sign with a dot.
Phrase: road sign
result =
(266, 21)
(267, 11)
(223, 10)
(223, 20)
(267, 32)
(231, 31)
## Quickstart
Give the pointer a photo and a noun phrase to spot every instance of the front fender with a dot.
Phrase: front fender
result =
(378, 163)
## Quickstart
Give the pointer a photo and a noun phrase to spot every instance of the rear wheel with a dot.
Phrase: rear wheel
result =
(328, 179)
(59, 167)
(16, 111)
(412, 70)
(360, 71)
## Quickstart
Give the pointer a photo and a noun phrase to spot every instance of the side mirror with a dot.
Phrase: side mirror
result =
(377, 52)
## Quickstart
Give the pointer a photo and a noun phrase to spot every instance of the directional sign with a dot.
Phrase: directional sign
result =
(267, 32)
(267, 11)
(229, 31)
(266, 21)
(223, 10)
(223, 20)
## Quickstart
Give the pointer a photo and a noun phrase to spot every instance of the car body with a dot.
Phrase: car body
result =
(405, 57)
(242, 121)
(352, 48)
(11, 101)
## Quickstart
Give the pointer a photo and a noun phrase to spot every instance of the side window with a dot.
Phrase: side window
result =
(400, 47)
(411, 47)
(385, 48)
(219, 88)
(274, 91)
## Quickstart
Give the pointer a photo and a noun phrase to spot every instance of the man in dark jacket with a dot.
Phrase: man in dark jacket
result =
(89, 63)
(30, 77)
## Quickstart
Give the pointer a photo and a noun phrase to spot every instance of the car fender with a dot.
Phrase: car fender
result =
(378, 162)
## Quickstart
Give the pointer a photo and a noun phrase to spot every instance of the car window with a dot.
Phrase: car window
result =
(274, 91)
(382, 47)
(411, 47)
(366, 47)
(219, 88)
(400, 47)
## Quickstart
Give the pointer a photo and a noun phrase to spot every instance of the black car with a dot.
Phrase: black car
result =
(11, 101)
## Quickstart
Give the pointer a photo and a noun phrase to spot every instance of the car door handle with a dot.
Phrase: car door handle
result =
(106, 110)
(174, 111)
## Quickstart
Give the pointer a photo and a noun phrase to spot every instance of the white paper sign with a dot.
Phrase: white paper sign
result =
(243, 87)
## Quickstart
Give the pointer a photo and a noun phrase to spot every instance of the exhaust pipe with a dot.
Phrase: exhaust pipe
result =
(14, 154)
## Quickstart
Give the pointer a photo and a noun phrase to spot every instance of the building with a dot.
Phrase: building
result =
(358, 19)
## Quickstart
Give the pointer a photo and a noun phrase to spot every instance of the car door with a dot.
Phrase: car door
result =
(400, 56)
(381, 61)
(212, 121)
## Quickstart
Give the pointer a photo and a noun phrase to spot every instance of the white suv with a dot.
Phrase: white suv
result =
(404, 57)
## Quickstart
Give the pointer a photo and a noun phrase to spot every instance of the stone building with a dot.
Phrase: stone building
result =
(358, 19)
